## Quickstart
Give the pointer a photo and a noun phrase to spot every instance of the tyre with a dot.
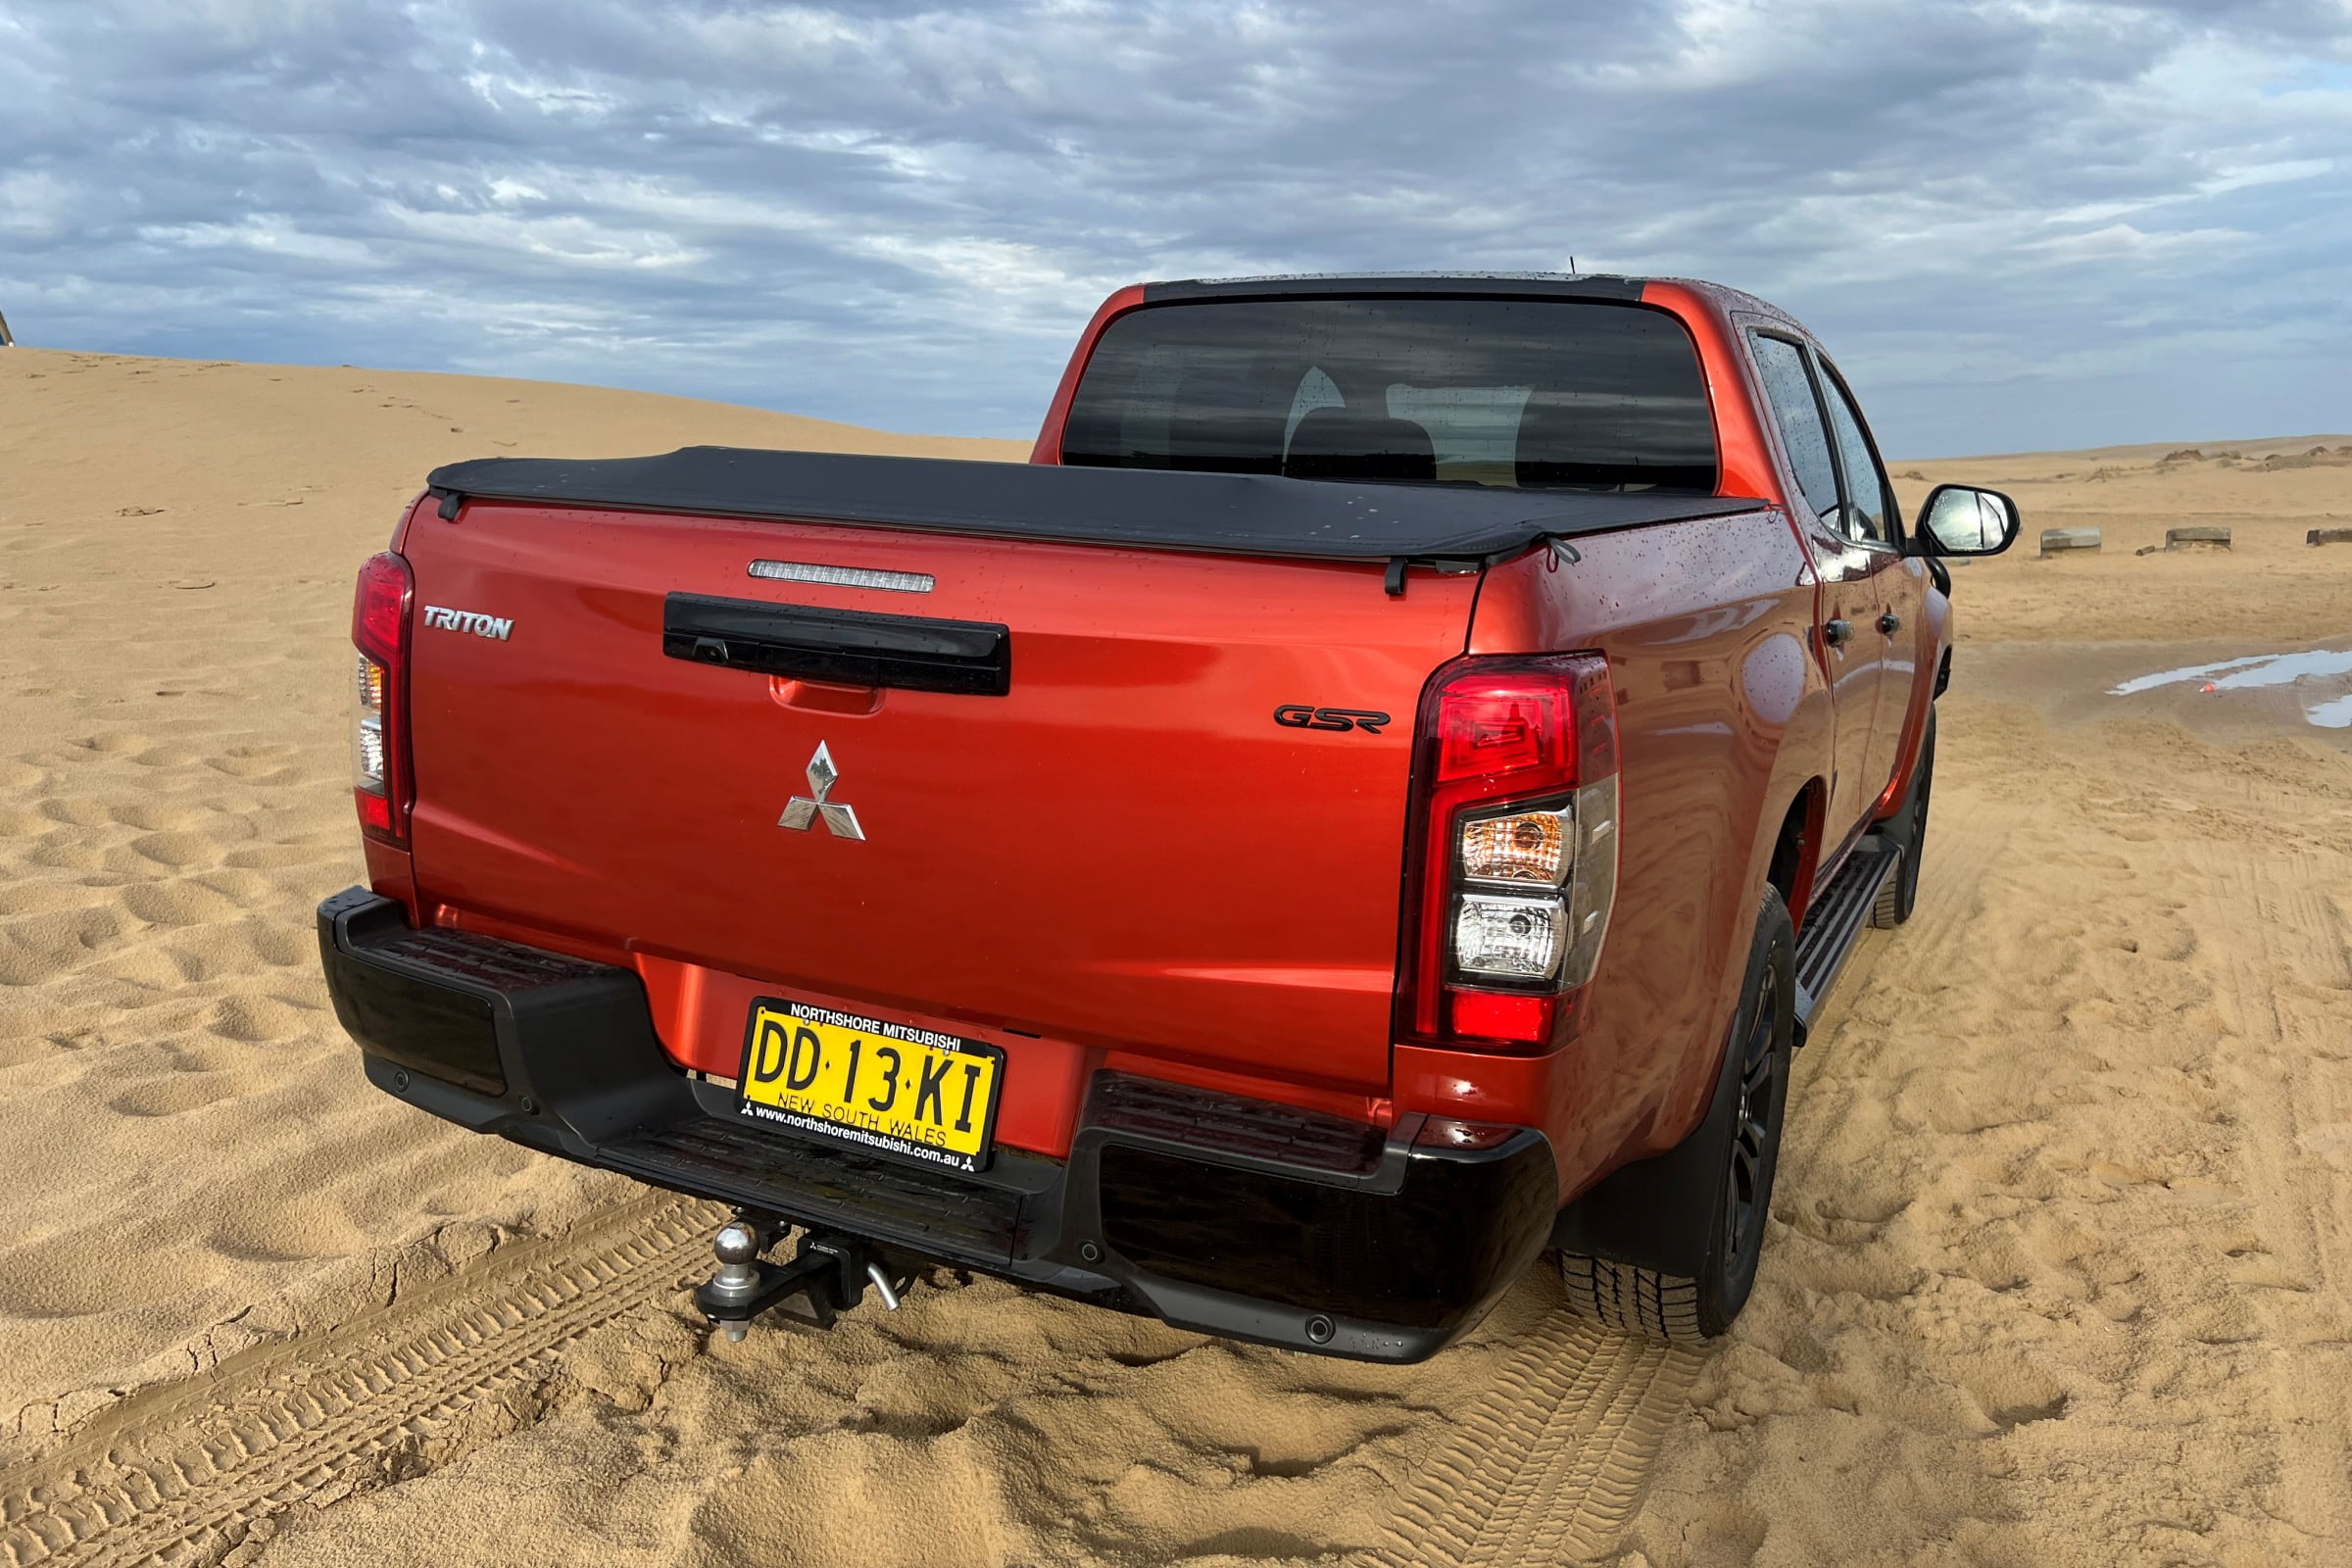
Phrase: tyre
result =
(1907, 831)
(1744, 1128)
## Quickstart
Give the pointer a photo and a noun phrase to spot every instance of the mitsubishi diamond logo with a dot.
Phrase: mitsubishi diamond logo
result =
(802, 809)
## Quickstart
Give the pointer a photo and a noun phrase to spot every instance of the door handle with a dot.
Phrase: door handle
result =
(1836, 633)
(1891, 624)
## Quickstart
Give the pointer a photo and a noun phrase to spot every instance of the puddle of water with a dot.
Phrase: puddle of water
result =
(2336, 714)
(2322, 678)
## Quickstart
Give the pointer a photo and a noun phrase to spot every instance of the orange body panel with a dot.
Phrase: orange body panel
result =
(1719, 711)
(1125, 854)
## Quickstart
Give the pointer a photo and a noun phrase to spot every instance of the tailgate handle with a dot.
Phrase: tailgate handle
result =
(845, 647)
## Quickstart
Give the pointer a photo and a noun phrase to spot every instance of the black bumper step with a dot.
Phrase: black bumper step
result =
(1839, 914)
(1233, 1216)
(1249, 1130)
(823, 1186)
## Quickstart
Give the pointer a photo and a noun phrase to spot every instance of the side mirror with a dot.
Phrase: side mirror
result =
(1960, 520)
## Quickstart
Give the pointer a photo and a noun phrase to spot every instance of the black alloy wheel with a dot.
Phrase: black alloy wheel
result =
(1755, 1132)
(1742, 1130)
(1765, 1038)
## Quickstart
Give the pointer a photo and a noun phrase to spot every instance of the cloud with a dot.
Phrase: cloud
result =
(2014, 223)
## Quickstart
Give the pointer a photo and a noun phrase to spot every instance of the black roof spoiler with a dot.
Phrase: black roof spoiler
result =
(1389, 285)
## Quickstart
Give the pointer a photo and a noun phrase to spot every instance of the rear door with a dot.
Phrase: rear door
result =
(1872, 526)
(1152, 839)
(1847, 641)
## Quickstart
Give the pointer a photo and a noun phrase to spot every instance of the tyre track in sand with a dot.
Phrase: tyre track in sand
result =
(181, 1473)
(2291, 1074)
(1550, 1462)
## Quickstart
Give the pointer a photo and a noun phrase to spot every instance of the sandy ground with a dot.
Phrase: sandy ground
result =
(2061, 1247)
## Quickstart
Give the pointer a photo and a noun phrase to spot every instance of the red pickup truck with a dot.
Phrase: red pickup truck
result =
(1378, 796)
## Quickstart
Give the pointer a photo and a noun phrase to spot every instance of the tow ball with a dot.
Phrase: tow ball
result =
(827, 1276)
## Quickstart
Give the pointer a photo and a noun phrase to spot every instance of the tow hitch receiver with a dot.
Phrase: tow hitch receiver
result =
(828, 1275)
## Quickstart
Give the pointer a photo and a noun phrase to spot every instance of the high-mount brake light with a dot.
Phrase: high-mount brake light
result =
(381, 786)
(1513, 862)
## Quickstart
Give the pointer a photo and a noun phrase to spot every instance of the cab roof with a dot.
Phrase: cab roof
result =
(1615, 286)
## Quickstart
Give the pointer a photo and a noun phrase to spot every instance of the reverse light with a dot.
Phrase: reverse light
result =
(1513, 864)
(1513, 938)
(381, 788)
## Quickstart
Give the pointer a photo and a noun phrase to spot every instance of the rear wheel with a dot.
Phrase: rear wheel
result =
(1689, 1310)
(1907, 831)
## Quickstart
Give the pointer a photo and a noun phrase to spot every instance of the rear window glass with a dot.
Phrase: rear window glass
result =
(1524, 394)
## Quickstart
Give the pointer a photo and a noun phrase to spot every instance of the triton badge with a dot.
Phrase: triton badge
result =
(804, 810)
(1300, 716)
(472, 620)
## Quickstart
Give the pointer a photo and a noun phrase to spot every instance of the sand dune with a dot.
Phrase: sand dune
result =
(2063, 1241)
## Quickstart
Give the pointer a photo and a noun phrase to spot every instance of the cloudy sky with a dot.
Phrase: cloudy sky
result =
(2027, 223)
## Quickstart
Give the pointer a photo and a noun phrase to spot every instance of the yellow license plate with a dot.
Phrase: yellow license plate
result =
(912, 1091)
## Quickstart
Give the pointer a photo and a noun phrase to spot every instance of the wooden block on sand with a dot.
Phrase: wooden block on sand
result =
(2188, 538)
(2057, 540)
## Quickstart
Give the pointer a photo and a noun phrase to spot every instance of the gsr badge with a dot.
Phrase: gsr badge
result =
(1302, 716)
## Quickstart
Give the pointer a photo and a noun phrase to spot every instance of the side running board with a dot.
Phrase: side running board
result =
(1835, 923)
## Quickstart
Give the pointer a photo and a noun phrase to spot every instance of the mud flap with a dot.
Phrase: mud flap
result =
(1660, 1214)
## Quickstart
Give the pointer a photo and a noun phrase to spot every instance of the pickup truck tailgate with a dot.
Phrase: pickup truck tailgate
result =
(1124, 849)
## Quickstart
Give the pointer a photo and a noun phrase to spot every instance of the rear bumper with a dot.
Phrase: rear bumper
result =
(1233, 1216)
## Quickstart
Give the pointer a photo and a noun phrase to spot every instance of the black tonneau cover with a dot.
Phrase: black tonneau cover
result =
(1227, 514)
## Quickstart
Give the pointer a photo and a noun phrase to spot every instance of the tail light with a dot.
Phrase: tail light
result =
(1512, 864)
(380, 750)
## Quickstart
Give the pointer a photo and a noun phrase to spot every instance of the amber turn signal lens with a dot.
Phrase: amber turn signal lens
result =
(1524, 847)
(367, 734)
